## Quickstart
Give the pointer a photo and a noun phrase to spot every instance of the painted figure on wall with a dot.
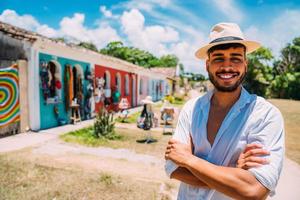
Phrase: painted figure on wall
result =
(9, 97)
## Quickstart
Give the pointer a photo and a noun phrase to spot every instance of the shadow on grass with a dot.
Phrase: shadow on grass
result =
(168, 133)
(147, 141)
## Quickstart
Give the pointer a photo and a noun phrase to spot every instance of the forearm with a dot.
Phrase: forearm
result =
(184, 175)
(234, 182)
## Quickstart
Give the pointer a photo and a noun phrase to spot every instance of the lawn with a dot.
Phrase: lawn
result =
(127, 139)
(291, 113)
(27, 180)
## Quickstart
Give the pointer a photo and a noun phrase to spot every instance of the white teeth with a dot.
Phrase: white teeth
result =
(226, 76)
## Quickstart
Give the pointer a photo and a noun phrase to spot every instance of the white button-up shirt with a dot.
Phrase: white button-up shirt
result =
(250, 120)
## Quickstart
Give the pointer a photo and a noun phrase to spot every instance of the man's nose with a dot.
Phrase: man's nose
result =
(227, 63)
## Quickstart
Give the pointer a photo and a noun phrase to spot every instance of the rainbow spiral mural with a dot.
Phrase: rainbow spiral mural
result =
(9, 96)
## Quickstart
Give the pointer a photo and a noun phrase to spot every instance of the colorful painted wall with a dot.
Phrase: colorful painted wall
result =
(55, 102)
(115, 78)
(9, 99)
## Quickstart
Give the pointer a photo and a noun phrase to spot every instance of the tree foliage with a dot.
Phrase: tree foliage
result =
(259, 75)
(286, 83)
(278, 80)
(138, 56)
(88, 45)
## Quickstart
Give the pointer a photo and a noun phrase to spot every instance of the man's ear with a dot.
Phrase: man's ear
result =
(207, 65)
(246, 62)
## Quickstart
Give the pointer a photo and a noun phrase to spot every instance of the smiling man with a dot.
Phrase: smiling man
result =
(218, 132)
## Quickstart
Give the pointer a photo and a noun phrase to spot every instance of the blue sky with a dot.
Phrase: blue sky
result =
(160, 26)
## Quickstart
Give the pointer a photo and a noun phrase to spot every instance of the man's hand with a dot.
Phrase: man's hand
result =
(250, 157)
(178, 152)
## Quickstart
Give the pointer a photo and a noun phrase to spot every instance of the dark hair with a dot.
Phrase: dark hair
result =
(226, 46)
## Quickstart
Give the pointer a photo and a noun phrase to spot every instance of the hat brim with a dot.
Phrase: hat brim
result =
(250, 47)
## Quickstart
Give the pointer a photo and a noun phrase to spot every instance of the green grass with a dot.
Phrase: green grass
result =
(86, 137)
(179, 102)
(132, 118)
(128, 140)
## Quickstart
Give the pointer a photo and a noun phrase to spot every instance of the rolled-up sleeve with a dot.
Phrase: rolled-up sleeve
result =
(181, 134)
(269, 133)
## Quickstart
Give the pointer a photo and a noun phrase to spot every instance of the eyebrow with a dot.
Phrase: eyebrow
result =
(236, 54)
(232, 54)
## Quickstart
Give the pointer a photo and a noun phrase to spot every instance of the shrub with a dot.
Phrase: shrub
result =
(104, 125)
(169, 98)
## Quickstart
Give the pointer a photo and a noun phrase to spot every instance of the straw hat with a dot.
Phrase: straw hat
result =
(147, 100)
(224, 33)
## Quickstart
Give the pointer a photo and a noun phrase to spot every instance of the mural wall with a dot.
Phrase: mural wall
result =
(9, 101)
(64, 84)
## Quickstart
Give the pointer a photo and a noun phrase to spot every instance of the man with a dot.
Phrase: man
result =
(226, 125)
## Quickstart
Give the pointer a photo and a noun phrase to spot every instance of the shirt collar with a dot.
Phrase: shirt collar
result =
(244, 99)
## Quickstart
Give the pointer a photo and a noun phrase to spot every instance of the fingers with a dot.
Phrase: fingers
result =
(253, 146)
(172, 141)
(168, 151)
(258, 160)
(248, 165)
(256, 152)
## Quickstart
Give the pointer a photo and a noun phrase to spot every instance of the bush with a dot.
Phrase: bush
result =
(104, 125)
(169, 98)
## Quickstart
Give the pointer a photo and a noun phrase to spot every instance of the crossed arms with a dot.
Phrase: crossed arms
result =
(237, 182)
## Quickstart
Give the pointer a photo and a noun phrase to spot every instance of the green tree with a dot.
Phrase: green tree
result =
(114, 48)
(286, 83)
(169, 61)
(88, 45)
(60, 39)
(138, 56)
(290, 58)
(259, 75)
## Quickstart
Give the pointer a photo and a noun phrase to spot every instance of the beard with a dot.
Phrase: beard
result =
(223, 88)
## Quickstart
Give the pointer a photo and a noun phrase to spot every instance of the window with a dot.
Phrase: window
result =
(141, 86)
(126, 85)
(118, 81)
(107, 80)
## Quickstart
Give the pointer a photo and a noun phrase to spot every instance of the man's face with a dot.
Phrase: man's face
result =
(227, 68)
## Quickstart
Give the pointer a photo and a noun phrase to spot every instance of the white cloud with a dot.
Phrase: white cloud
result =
(151, 38)
(191, 31)
(186, 53)
(27, 22)
(145, 5)
(132, 21)
(161, 40)
(73, 28)
(105, 12)
(229, 9)
(282, 30)
(47, 31)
